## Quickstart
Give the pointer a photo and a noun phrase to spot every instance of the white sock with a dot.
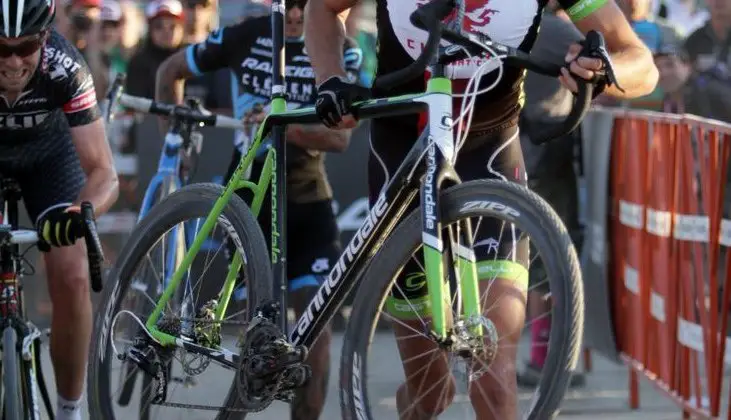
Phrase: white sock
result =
(67, 410)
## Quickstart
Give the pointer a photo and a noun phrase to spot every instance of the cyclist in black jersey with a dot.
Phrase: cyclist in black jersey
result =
(492, 150)
(53, 143)
(312, 231)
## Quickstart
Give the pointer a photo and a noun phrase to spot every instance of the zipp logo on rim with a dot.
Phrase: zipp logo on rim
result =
(493, 206)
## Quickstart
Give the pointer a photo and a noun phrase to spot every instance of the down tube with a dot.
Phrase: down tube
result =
(383, 216)
(381, 219)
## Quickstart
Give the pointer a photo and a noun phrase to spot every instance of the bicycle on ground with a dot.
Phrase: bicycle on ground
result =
(267, 358)
(22, 376)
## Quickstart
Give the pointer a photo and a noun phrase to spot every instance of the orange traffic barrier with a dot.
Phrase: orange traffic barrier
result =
(671, 288)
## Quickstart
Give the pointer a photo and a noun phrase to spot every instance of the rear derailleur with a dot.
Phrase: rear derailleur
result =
(154, 360)
(270, 366)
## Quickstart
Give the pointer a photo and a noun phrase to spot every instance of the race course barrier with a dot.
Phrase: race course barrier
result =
(668, 272)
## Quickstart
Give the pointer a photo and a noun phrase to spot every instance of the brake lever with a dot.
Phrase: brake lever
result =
(593, 46)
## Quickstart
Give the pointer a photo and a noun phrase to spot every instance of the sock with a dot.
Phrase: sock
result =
(67, 410)
(540, 331)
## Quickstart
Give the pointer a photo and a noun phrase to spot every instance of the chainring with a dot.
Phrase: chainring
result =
(270, 367)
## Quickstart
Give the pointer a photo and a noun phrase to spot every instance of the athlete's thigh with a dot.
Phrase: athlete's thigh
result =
(390, 142)
(51, 179)
(499, 246)
(313, 249)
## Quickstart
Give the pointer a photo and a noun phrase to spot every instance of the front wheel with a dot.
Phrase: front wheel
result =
(11, 378)
(476, 200)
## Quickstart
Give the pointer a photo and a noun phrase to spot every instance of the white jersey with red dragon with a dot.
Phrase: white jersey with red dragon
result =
(505, 21)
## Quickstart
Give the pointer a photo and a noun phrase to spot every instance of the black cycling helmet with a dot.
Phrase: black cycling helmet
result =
(25, 17)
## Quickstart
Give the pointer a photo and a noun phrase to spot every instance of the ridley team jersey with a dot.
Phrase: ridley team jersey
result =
(510, 22)
(59, 94)
(246, 49)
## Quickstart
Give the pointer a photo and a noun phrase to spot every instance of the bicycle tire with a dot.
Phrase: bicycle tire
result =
(13, 406)
(191, 202)
(164, 189)
(550, 237)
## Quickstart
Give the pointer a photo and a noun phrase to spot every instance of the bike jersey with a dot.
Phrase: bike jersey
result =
(511, 22)
(246, 49)
(60, 94)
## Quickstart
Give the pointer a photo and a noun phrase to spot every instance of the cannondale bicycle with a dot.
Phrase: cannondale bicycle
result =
(264, 359)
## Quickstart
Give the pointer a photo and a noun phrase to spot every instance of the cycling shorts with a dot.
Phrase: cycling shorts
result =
(48, 171)
(313, 238)
(486, 154)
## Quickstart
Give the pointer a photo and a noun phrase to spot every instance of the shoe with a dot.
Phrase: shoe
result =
(531, 376)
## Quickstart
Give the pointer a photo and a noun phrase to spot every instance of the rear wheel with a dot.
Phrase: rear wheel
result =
(470, 200)
(188, 205)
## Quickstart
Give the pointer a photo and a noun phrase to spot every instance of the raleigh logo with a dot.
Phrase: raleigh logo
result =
(336, 274)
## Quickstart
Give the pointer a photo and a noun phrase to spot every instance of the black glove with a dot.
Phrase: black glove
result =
(335, 97)
(59, 227)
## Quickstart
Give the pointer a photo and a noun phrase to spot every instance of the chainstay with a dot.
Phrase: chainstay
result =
(205, 407)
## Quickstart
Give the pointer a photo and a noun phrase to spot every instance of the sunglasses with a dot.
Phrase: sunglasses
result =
(111, 24)
(296, 3)
(24, 49)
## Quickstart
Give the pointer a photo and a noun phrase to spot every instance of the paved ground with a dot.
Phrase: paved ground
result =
(604, 397)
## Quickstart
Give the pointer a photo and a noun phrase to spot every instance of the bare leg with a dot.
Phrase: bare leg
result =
(494, 394)
(68, 286)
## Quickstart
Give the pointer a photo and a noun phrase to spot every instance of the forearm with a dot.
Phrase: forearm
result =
(169, 88)
(318, 137)
(324, 38)
(636, 73)
(169, 85)
(101, 190)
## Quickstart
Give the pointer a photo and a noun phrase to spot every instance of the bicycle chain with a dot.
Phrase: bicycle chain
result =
(204, 407)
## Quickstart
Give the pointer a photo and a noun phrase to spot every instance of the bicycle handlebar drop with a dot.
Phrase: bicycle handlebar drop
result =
(93, 246)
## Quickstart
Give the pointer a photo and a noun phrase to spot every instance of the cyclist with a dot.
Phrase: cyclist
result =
(491, 151)
(53, 143)
(313, 236)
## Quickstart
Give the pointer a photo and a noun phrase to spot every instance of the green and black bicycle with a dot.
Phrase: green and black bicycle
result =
(264, 359)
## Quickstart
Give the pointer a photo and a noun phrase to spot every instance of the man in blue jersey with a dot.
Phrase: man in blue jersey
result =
(313, 235)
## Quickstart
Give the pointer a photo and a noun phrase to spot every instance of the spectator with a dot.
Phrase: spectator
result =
(165, 35)
(688, 91)
(550, 174)
(83, 17)
(653, 32)
(199, 20)
(708, 47)
(107, 57)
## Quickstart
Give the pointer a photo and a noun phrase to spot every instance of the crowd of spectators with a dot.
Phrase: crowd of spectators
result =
(690, 40)
(135, 36)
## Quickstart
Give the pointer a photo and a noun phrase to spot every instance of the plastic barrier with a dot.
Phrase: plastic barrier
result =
(671, 288)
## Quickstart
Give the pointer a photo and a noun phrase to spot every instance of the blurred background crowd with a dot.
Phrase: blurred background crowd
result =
(688, 37)
(135, 36)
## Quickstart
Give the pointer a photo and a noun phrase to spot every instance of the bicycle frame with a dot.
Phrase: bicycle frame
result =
(430, 157)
